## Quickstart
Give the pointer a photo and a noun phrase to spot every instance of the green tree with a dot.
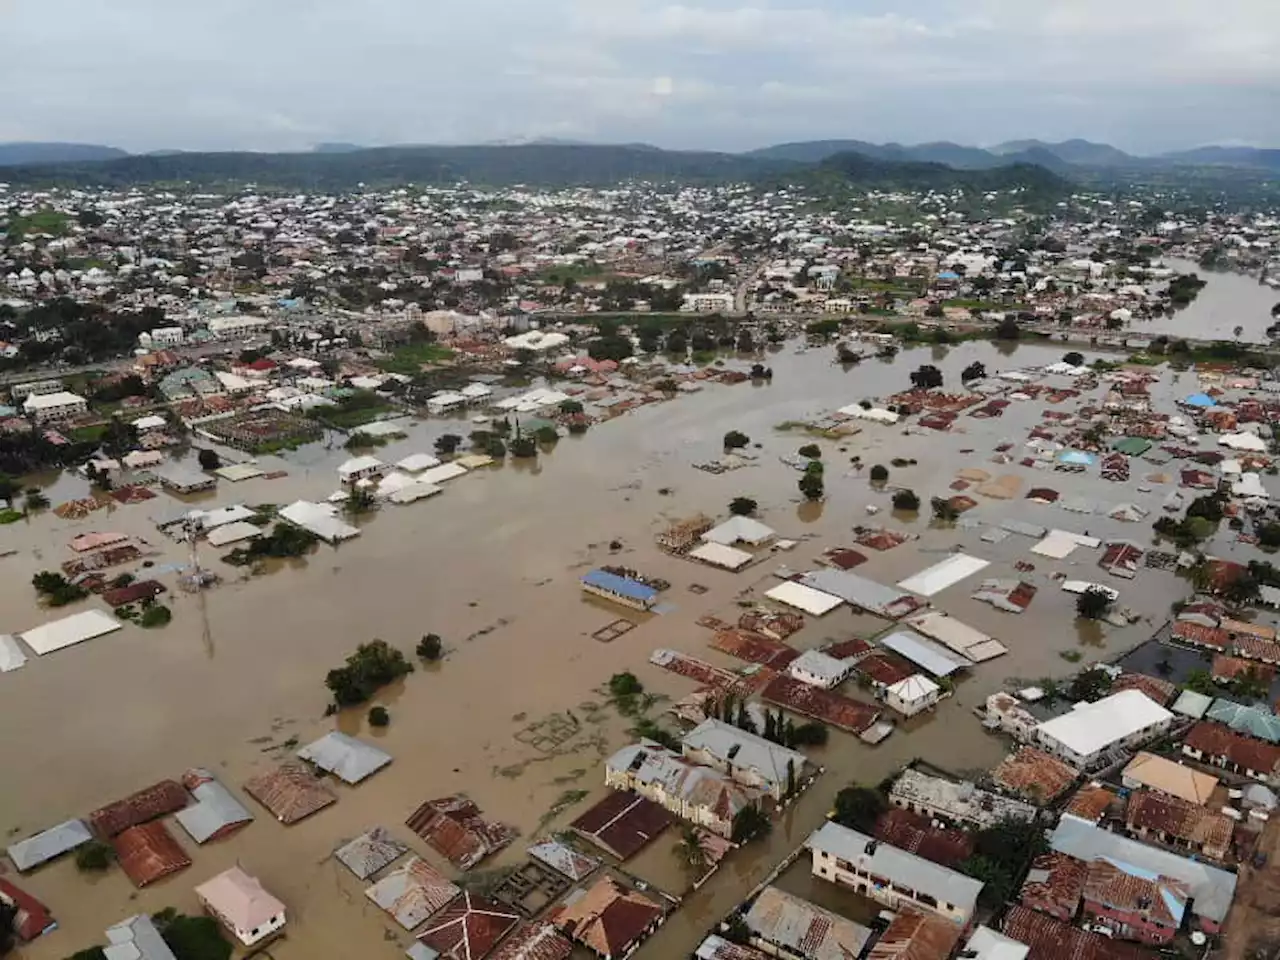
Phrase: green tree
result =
(998, 886)
(1008, 329)
(746, 343)
(690, 850)
(524, 447)
(192, 938)
(1093, 604)
(448, 443)
(1075, 358)
(735, 439)
(571, 407)
(812, 487)
(34, 500)
(430, 647)
(209, 459)
(858, 808)
(1201, 682)
(379, 717)
(808, 734)
(750, 823)
(879, 473)
(742, 506)
(926, 377)
(155, 615)
(810, 450)
(1090, 685)
(359, 500)
(546, 435)
(94, 856)
(625, 684)
(371, 667)
(906, 500)
(791, 778)
(736, 930)
(974, 371)
(1240, 590)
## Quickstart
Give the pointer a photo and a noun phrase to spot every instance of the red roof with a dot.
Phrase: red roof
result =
(155, 801)
(1051, 939)
(1055, 883)
(1215, 740)
(456, 830)
(148, 852)
(623, 823)
(33, 916)
(468, 928)
(833, 708)
(537, 941)
(1034, 774)
(916, 936)
(916, 834)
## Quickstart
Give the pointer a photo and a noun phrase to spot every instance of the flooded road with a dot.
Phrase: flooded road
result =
(1227, 301)
(491, 565)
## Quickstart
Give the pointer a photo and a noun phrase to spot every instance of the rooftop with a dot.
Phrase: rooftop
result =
(351, 760)
(1092, 727)
(804, 929)
(960, 801)
(239, 899)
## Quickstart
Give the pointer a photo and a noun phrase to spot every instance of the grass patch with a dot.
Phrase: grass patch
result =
(42, 221)
(93, 434)
(1071, 656)
(9, 516)
(340, 419)
(410, 359)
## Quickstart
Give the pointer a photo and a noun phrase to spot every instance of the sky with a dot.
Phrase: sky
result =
(1145, 75)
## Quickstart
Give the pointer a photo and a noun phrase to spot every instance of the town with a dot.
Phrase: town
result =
(720, 571)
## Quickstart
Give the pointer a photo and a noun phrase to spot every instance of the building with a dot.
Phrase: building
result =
(622, 824)
(961, 803)
(1177, 823)
(819, 669)
(239, 902)
(1215, 744)
(468, 928)
(1132, 903)
(216, 812)
(701, 795)
(30, 918)
(621, 590)
(1088, 733)
(136, 939)
(749, 759)
(608, 919)
(915, 935)
(891, 876)
(987, 944)
(1054, 885)
(361, 468)
(1211, 889)
(49, 407)
(708, 302)
(783, 925)
(1034, 775)
(915, 694)
(178, 479)
(166, 337)
(234, 328)
(1165, 776)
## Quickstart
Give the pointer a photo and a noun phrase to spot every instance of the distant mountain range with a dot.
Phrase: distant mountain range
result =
(339, 166)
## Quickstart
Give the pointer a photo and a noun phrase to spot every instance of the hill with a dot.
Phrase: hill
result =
(1227, 157)
(1081, 152)
(18, 154)
(854, 169)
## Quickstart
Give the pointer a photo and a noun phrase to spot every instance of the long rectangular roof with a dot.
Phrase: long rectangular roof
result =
(933, 657)
(1212, 890)
(887, 861)
(860, 592)
(69, 631)
(943, 574)
(622, 586)
(349, 759)
(1092, 727)
(48, 844)
(811, 601)
(726, 743)
(216, 810)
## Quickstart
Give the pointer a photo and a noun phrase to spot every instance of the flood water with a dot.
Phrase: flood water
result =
(1227, 301)
(492, 565)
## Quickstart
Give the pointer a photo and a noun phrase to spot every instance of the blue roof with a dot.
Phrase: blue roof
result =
(1200, 400)
(620, 585)
(948, 275)
(1076, 457)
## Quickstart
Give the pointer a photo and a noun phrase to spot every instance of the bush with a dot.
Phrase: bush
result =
(209, 459)
(94, 856)
(858, 808)
(156, 615)
(430, 647)
(625, 684)
(192, 938)
(811, 450)
(56, 589)
(879, 473)
(742, 506)
(523, 447)
(448, 443)
(546, 435)
(811, 486)
(371, 667)
(1075, 358)
(379, 717)
(906, 500)
(735, 439)
(1093, 604)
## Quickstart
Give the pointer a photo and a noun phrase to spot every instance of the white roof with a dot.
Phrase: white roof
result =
(359, 465)
(446, 471)
(739, 530)
(1249, 485)
(956, 635)
(236, 472)
(718, 555)
(943, 574)
(320, 518)
(150, 423)
(221, 516)
(43, 401)
(1060, 543)
(536, 340)
(923, 652)
(416, 462)
(69, 631)
(724, 741)
(811, 601)
(815, 663)
(346, 757)
(913, 688)
(1092, 727)
(233, 533)
(1243, 441)
(987, 944)
(11, 655)
(874, 413)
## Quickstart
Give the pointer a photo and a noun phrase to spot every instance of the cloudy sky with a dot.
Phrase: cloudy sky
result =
(1146, 75)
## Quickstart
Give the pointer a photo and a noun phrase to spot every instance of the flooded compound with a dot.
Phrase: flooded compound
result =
(516, 715)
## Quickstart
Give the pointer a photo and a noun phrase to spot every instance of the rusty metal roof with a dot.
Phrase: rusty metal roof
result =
(148, 853)
(537, 941)
(623, 823)
(1177, 818)
(468, 928)
(412, 893)
(1056, 882)
(916, 936)
(456, 830)
(1034, 774)
(916, 834)
(291, 792)
(157, 800)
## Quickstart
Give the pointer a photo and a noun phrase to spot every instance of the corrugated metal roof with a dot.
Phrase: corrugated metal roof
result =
(412, 893)
(49, 844)
(803, 928)
(564, 859)
(148, 853)
(291, 792)
(370, 852)
(157, 800)
(349, 759)
(933, 657)
(620, 585)
(216, 811)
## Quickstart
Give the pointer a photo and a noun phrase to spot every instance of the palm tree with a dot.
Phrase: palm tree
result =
(689, 849)
(1237, 331)
(34, 500)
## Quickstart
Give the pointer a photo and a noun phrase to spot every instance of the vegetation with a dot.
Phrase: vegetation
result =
(742, 506)
(1075, 358)
(356, 410)
(810, 450)
(689, 849)
(974, 371)
(284, 540)
(1090, 685)
(647, 729)
(906, 500)
(858, 808)
(448, 443)
(1001, 854)
(94, 856)
(1093, 604)
(625, 691)
(154, 615)
(812, 487)
(1008, 329)
(571, 407)
(430, 648)
(1200, 681)
(379, 717)
(524, 446)
(209, 459)
(56, 590)
(545, 435)
(944, 510)
(1184, 288)
(879, 473)
(736, 930)
(927, 377)
(192, 938)
(371, 667)
(735, 439)
(750, 823)
(411, 358)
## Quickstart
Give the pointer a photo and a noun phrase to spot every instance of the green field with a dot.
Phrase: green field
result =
(42, 221)
(411, 359)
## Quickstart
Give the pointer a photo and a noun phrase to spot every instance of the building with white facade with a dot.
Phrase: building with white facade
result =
(701, 795)
(1085, 735)
(749, 759)
(231, 328)
(239, 902)
(47, 407)
(708, 303)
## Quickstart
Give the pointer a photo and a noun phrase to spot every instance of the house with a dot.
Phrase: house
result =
(136, 939)
(1005, 712)
(360, 468)
(30, 919)
(891, 876)
(960, 803)
(916, 935)
(177, 479)
(216, 812)
(352, 761)
(412, 893)
(918, 834)
(1256, 722)
(913, 695)
(737, 530)
(468, 928)
(1217, 745)
(536, 941)
(708, 303)
(620, 590)
(749, 759)
(1174, 822)
(236, 328)
(1054, 885)
(51, 407)
(239, 902)
(784, 925)
(1210, 888)
(608, 919)
(1132, 903)
(455, 828)
(1034, 775)
(148, 852)
(987, 944)
(1165, 776)
(819, 669)
(166, 337)
(701, 795)
(370, 852)
(1085, 735)
(1046, 938)
(20, 391)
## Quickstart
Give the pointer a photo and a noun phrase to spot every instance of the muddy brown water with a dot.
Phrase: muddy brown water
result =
(1227, 301)
(491, 565)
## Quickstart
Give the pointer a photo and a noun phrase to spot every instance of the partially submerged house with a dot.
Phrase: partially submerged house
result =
(412, 893)
(1086, 734)
(352, 761)
(216, 813)
(291, 792)
(785, 925)
(455, 828)
(370, 852)
(241, 904)
(608, 919)
(749, 759)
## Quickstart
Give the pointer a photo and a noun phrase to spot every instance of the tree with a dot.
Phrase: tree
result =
(1240, 590)
(1093, 604)
(448, 443)
(690, 850)
(944, 510)
(155, 615)
(546, 435)
(926, 377)
(760, 372)
(359, 500)
(974, 371)
(998, 886)
(1236, 331)
(791, 778)
(8, 919)
(430, 647)
(879, 473)
(625, 684)
(736, 930)
(523, 447)
(1090, 685)
(810, 450)
(808, 734)
(379, 717)
(209, 459)
(495, 448)
(906, 500)
(1008, 329)
(746, 344)
(571, 407)
(371, 667)
(750, 823)
(1200, 681)
(34, 500)
(858, 808)
(56, 590)
(742, 506)
(812, 487)
(735, 439)
(94, 856)
(192, 938)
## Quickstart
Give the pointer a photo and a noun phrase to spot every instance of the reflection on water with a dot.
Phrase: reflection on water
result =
(1227, 301)
(1089, 633)
(810, 511)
